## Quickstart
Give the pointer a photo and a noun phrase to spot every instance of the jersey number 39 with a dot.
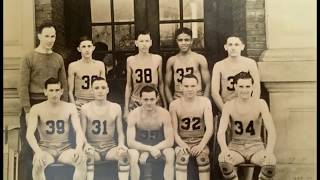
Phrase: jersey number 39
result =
(55, 126)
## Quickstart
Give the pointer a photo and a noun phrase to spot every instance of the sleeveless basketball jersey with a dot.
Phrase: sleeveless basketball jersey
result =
(181, 69)
(85, 74)
(227, 81)
(143, 74)
(190, 121)
(100, 125)
(149, 137)
(53, 127)
(245, 126)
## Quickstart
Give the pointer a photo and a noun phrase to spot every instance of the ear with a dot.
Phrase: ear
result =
(78, 48)
(39, 36)
(225, 47)
(242, 47)
(45, 92)
(136, 43)
(93, 48)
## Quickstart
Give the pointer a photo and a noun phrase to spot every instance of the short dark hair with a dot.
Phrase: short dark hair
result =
(98, 79)
(142, 32)
(183, 30)
(84, 38)
(235, 36)
(190, 76)
(52, 80)
(148, 89)
(243, 75)
(46, 24)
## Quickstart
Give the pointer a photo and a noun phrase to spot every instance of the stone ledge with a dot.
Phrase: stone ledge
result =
(280, 66)
(289, 54)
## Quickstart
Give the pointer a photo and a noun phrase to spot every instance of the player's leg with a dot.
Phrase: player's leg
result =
(204, 164)
(134, 159)
(267, 163)
(182, 160)
(168, 172)
(38, 170)
(91, 158)
(80, 169)
(123, 162)
(227, 164)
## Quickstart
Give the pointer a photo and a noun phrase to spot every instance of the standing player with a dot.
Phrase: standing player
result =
(143, 69)
(222, 82)
(101, 120)
(246, 115)
(81, 73)
(52, 119)
(37, 66)
(193, 127)
(186, 62)
(150, 133)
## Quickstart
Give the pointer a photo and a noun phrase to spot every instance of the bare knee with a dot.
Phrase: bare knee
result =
(169, 155)
(133, 156)
(203, 162)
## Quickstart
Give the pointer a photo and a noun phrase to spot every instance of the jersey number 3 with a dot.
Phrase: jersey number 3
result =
(55, 126)
(249, 128)
(96, 127)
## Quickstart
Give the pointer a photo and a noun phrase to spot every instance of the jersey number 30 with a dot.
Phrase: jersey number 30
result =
(55, 126)
(249, 128)
(96, 127)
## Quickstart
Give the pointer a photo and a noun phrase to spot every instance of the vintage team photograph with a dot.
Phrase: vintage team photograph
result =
(159, 90)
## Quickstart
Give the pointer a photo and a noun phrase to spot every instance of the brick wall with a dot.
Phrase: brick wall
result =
(52, 10)
(249, 22)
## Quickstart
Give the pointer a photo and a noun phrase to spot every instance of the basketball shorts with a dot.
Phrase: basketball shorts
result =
(246, 148)
(102, 148)
(55, 149)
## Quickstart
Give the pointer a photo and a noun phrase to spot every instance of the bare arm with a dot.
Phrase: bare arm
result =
(119, 126)
(208, 120)
(168, 80)
(80, 137)
(205, 75)
(256, 78)
(161, 85)
(215, 87)
(269, 125)
(168, 133)
(128, 89)
(71, 76)
(174, 118)
(83, 118)
(102, 70)
(224, 121)
(131, 136)
(31, 128)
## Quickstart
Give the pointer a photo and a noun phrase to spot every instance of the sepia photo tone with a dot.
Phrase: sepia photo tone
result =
(143, 51)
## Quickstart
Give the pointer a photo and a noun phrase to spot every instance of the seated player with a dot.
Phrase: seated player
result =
(193, 127)
(81, 73)
(52, 119)
(246, 115)
(150, 133)
(101, 120)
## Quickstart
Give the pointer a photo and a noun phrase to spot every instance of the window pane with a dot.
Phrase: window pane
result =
(123, 10)
(102, 34)
(167, 32)
(124, 37)
(197, 33)
(100, 11)
(192, 9)
(169, 10)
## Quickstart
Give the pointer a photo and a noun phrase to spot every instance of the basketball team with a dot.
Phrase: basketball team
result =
(165, 117)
